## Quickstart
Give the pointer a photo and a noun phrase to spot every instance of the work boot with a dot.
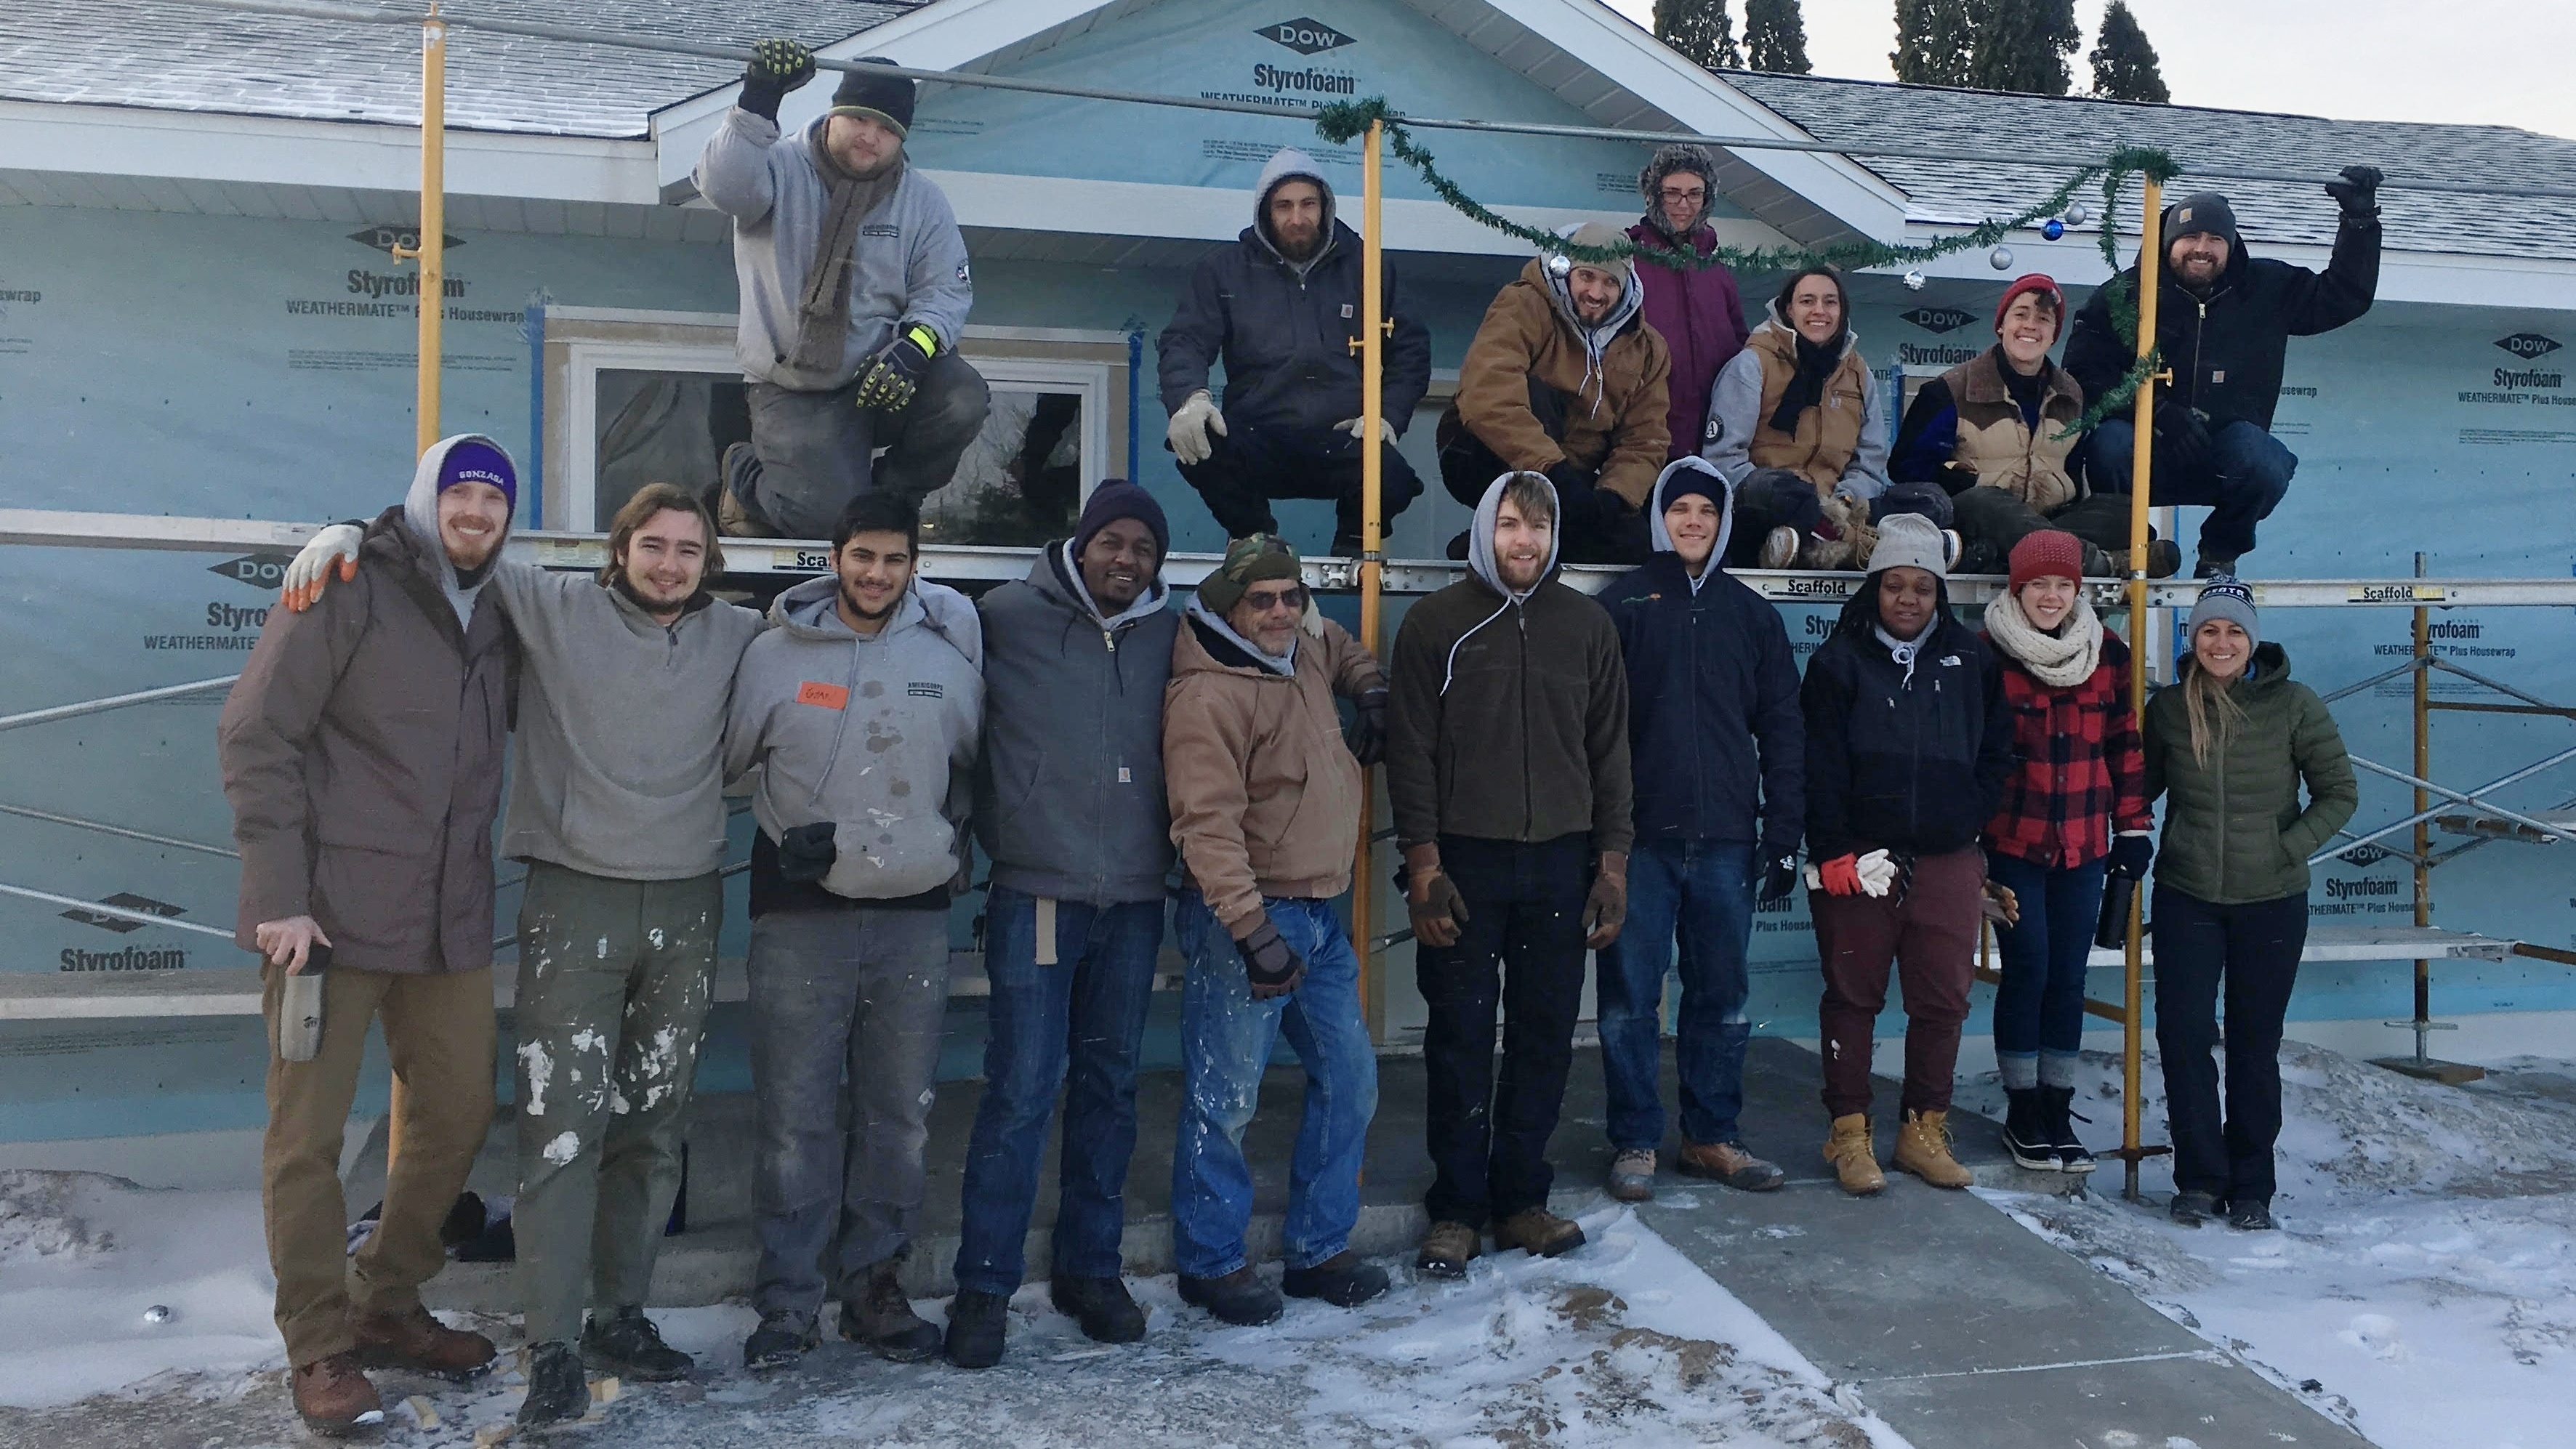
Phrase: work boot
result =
(1101, 1305)
(557, 1392)
(1456, 548)
(335, 1398)
(976, 1326)
(1729, 1163)
(626, 1345)
(779, 1341)
(2164, 558)
(2056, 1119)
(1923, 1148)
(414, 1340)
(1632, 1175)
(1343, 1280)
(2250, 1214)
(1780, 547)
(1446, 1248)
(2211, 566)
(1854, 1155)
(883, 1318)
(1951, 547)
(1239, 1297)
(1540, 1233)
(2191, 1209)
(2025, 1131)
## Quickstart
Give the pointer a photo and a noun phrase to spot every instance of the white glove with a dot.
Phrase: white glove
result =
(1352, 426)
(1191, 426)
(311, 570)
(1876, 872)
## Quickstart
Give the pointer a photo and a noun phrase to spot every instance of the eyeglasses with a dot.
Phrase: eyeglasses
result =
(1264, 600)
(1694, 194)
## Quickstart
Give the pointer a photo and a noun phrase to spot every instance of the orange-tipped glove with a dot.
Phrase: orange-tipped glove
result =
(311, 571)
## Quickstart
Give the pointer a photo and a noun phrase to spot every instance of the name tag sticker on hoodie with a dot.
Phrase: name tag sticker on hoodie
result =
(829, 696)
(920, 690)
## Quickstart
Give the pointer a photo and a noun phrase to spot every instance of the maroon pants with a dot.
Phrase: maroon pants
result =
(1931, 936)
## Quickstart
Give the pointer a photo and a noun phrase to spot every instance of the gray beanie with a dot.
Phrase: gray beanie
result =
(2225, 597)
(1909, 540)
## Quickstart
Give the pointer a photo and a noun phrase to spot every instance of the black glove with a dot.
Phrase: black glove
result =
(1368, 730)
(2131, 854)
(1572, 485)
(806, 853)
(2184, 432)
(1775, 878)
(889, 380)
(1956, 478)
(2357, 192)
(1273, 968)
(777, 67)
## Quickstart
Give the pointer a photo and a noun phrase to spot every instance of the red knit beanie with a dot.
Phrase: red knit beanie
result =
(2044, 552)
(2034, 282)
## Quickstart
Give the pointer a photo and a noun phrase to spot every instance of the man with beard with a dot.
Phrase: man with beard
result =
(1696, 310)
(861, 708)
(1281, 309)
(2224, 325)
(361, 753)
(1565, 379)
(854, 290)
(617, 807)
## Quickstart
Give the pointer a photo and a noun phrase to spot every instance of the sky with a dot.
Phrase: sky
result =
(2496, 62)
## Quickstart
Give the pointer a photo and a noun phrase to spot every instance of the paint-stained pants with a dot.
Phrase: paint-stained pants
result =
(438, 1036)
(614, 978)
(847, 1008)
(814, 451)
(1931, 937)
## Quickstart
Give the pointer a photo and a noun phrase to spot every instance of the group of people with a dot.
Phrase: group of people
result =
(1624, 777)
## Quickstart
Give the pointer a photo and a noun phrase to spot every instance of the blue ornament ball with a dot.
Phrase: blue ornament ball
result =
(2053, 229)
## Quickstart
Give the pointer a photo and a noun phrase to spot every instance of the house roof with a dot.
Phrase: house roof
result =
(172, 55)
(1867, 113)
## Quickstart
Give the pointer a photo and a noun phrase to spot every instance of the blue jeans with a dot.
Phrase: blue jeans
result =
(1087, 1009)
(2039, 1008)
(1226, 1038)
(2247, 473)
(1703, 890)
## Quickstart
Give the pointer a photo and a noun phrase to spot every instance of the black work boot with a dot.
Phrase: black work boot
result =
(2025, 1131)
(2191, 1209)
(2057, 1120)
(557, 1391)
(977, 1323)
(882, 1318)
(779, 1341)
(1101, 1306)
(1239, 1298)
(2250, 1214)
(1345, 1280)
(627, 1345)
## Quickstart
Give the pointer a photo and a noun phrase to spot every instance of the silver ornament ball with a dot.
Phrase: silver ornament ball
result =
(2078, 214)
(157, 1313)
(1914, 280)
(2000, 259)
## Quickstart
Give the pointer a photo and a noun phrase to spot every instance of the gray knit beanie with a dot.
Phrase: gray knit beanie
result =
(1909, 540)
(2225, 597)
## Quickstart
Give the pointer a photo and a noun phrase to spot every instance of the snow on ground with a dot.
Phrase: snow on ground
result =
(2423, 1286)
(1623, 1342)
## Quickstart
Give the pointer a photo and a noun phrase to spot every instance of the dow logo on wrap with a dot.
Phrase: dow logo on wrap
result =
(263, 571)
(386, 238)
(1939, 319)
(1306, 37)
(2528, 345)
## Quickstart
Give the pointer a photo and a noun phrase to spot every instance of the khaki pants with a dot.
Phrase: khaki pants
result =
(438, 1035)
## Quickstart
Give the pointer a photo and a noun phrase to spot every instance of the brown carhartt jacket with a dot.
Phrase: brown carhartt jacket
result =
(1995, 440)
(361, 752)
(1828, 434)
(1614, 415)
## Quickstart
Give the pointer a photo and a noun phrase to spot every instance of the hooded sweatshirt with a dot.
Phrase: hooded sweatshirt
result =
(1715, 739)
(1509, 716)
(1288, 332)
(1841, 443)
(909, 265)
(1615, 379)
(1070, 800)
(874, 733)
(361, 752)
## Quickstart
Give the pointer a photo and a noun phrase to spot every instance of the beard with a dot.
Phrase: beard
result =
(850, 601)
(1301, 248)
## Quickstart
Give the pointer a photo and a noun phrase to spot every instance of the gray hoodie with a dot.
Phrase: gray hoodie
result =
(876, 733)
(420, 515)
(1070, 802)
(621, 727)
(910, 265)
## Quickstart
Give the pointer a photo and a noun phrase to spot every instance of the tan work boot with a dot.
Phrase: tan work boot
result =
(1446, 1249)
(413, 1339)
(334, 1397)
(1632, 1175)
(1539, 1232)
(1923, 1148)
(735, 521)
(1854, 1155)
(1729, 1163)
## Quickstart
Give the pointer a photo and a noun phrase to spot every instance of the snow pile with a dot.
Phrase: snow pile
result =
(2423, 1289)
(38, 1218)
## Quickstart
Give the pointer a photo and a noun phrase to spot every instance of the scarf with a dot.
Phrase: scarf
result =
(1904, 650)
(2059, 660)
(2028, 393)
(823, 312)
(1807, 385)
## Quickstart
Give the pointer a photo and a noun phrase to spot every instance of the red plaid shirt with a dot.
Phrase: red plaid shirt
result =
(2079, 769)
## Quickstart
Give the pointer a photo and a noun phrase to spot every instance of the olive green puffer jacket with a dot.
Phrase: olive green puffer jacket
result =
(2234, 831)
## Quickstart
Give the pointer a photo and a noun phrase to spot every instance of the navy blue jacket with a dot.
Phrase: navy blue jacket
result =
(1915, 763)
(1710, 681)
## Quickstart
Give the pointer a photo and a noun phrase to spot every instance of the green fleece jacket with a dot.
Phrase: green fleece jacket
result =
(2234, 829)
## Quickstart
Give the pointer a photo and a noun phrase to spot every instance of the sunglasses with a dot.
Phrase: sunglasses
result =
(1265, 600)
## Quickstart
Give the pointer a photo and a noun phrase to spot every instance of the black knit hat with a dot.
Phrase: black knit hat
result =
(885, 97)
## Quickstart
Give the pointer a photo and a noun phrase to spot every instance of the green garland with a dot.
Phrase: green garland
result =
(1344, 121)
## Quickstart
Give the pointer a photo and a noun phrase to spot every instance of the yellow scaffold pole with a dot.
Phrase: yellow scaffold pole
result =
(2141, 467)
(1373, 328)
(432, 251)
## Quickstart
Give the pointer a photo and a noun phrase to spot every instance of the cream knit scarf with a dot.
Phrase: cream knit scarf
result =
(2058, 660)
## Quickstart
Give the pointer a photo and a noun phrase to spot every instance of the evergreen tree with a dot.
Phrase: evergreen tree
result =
(2124, 64)
(2023, 45)
(1775, 37)
(1933, 42)
(1701, 30)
